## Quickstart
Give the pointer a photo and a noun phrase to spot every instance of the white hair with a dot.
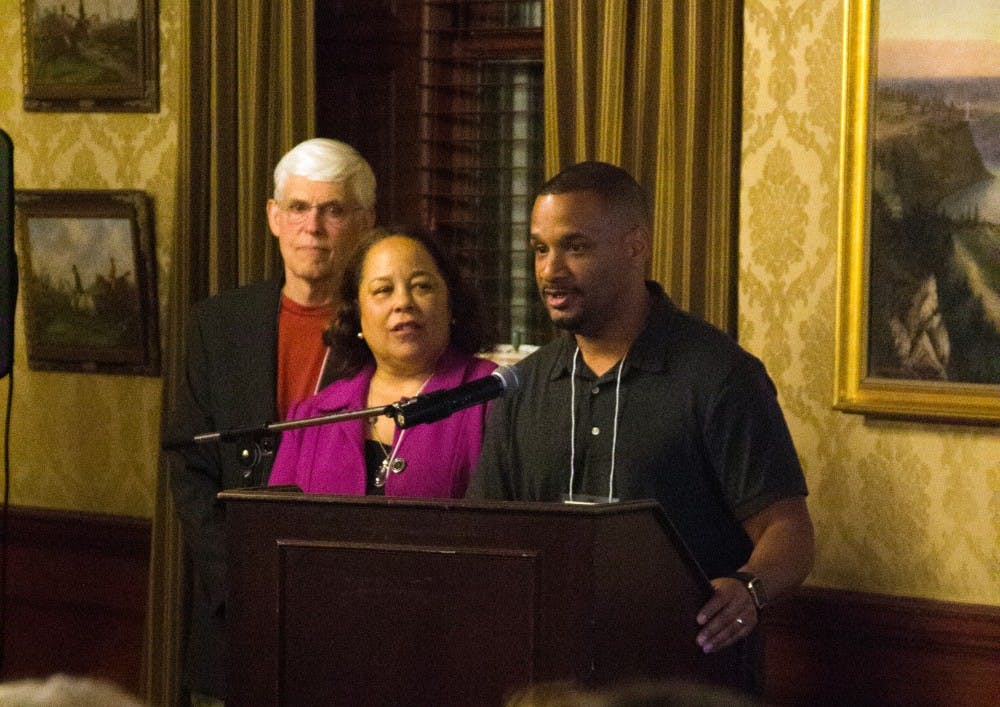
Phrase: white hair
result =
(324, 160)
(65, 691)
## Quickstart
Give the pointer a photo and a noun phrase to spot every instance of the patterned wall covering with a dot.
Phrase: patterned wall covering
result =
(89, 442)
(900, 508)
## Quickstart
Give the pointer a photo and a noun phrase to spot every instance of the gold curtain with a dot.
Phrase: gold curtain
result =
(247, 95)
(652, 86)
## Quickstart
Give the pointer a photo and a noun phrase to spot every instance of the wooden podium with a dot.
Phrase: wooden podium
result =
(339, 600)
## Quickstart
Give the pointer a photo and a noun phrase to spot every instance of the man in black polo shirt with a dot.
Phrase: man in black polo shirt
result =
(642, 400)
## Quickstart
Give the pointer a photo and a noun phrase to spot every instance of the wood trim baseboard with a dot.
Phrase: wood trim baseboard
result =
(834, 647)
(75, 595)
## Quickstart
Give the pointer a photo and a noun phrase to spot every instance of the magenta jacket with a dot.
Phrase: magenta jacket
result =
(440, 456)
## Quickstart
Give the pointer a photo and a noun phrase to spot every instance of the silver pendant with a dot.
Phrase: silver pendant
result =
(398, 465)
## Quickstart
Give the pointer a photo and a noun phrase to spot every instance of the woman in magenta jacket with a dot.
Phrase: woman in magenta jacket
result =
(406, 325)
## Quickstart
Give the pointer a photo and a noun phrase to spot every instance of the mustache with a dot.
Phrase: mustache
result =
(557, 287)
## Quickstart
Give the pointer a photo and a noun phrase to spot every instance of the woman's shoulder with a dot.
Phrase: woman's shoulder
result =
(457, 367)
(479, 366)
(340, 394)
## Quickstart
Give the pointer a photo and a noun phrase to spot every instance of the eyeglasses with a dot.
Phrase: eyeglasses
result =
(331, 212)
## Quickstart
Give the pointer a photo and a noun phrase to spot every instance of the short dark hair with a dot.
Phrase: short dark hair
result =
(614, 185)
(349, 354)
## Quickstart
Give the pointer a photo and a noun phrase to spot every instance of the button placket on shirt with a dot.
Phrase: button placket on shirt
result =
(596, 461)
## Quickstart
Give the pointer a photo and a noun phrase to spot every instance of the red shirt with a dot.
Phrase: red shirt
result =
(301, 351)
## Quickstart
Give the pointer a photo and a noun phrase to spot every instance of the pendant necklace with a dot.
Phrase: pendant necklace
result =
(392, 461)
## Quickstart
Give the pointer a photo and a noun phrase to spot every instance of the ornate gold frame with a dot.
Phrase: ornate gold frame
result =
(856, 391)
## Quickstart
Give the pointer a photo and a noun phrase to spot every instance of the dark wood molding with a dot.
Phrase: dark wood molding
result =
(75, 595)
(833, 647)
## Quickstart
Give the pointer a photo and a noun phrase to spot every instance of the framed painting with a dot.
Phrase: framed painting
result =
(90, 55)
(88, 281)
(918, 309)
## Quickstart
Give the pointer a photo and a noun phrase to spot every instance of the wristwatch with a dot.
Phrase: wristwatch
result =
(754, 585)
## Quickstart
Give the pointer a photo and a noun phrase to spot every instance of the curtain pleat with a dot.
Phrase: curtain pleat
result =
(246, 98)
(651, 86)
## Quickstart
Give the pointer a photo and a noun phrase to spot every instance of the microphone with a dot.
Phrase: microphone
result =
(442, 403)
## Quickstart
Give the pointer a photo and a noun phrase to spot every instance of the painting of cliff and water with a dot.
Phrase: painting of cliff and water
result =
(920, 256)
(90, 55)
(935, 212)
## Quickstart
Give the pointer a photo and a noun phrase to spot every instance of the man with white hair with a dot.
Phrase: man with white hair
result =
(251, 353)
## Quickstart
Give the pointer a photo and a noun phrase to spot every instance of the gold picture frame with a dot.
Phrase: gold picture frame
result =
(861, 384)
(88, 280)
(77, 59)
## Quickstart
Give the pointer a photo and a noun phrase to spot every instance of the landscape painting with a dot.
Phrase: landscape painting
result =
(935, 213)
(88, 281)
(90, 55)
(923, 247)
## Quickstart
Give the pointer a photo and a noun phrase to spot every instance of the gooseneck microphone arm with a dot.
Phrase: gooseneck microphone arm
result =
(272, 428)
(258, 441)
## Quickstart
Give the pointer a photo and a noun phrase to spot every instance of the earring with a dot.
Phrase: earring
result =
(361, 335)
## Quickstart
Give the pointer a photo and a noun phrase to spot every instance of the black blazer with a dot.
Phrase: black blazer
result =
(230, 383)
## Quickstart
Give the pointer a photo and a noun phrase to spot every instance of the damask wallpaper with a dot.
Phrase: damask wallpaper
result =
(89, 442)
(900, 508)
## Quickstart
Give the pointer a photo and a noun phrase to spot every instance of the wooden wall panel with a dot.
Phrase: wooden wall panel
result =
(826, 647)
(75, 595)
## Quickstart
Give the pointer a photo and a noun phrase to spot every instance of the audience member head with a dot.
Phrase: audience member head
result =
(660, 693)
(554, 694)
(65, 691)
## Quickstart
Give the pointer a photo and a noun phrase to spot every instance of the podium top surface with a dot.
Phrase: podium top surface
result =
(284, 494)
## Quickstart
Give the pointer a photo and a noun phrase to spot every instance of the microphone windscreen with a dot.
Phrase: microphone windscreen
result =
(509, 378)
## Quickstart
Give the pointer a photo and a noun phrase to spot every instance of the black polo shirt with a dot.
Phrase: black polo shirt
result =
(699, 429)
